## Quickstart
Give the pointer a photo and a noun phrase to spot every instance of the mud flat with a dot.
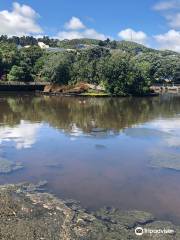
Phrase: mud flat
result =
(29, 214)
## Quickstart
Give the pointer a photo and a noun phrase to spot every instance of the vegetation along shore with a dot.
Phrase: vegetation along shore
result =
(86, 66)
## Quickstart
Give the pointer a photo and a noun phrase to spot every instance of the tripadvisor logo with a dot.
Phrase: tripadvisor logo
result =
(139, 231)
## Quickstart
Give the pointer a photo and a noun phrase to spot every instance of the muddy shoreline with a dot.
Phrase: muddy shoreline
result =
(27, 212)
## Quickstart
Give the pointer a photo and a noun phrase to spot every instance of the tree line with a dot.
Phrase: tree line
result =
(122, 68)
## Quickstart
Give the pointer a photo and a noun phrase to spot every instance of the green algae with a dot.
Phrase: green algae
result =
(7, 166)
(165, 159)
(34, 216)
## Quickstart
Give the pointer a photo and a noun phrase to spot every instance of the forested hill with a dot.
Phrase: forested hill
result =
(121, 67)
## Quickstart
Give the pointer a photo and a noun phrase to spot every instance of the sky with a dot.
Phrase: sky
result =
(154, 23)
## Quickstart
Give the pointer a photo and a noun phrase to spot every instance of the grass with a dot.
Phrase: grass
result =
(95, 94)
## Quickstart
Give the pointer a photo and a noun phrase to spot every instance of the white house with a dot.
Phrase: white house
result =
(43, 45)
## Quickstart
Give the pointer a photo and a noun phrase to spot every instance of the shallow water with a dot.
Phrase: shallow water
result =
(98, 151)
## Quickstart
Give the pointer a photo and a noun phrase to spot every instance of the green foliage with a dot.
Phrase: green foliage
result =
(29, 40)
(16, 74)
(121, 67)
(133, 48)
(18, 62)
(85, 66)
(115, 69)
(8, 57)
(74, 43)
(163, 66)
(57, 68)
(27, 60)
(139, 79)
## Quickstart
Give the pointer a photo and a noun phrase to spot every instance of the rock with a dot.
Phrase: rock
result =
(7, 166)
(30, 187)
(54, 165)
(165, 160)
(47, 89)
(128, 219)
(34, 216)
(76, 89)
(54, 88)
(100, 146)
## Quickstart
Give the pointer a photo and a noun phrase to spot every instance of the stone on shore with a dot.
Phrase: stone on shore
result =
(167, 160)
(34, 216)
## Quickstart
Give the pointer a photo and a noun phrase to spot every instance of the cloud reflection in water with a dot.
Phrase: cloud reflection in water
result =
(23, 135)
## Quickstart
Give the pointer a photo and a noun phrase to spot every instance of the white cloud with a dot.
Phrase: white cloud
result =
(170, 11)
(77, 30)
(23, 135)
(74, 24)
(169, 40)
(20, 21)
(87, 33)
(131, 35)
(174, 20)
(167, 5)
(69, 35)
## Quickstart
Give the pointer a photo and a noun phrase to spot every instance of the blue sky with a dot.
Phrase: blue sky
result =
(151, 22)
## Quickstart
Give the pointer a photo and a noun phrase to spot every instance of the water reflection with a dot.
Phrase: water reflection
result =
(170, 126)
(139, 132)
(97, 115)
(23, 135)
(100, 152)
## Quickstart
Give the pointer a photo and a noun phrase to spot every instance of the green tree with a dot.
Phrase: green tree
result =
(17, 74)
(8, 55)
(114, 73)
(57, 68)
(85, 67)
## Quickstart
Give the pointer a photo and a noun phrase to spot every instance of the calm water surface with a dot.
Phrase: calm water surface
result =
(97, 151)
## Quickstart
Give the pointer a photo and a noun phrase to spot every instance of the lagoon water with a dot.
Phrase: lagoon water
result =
(97, 151)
